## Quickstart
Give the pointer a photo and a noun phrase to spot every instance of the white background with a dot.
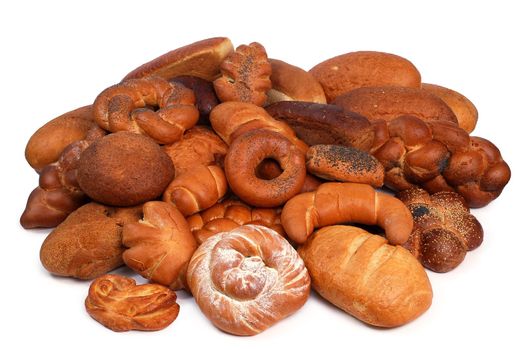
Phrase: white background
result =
(58, 56)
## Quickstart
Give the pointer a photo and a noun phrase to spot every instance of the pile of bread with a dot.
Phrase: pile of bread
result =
(246, 180)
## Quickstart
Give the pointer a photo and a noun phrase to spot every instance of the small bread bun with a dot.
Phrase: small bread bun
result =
(124, 169)
(291, 83)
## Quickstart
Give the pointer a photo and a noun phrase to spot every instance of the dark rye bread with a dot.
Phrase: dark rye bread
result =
(124, 169)
(346, 164)
(317, 123)
(390, 102)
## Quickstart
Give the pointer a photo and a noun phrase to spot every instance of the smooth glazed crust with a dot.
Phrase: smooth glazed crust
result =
(391, 102)
(463, 108)
(291, 83)
(360, 273)
(344, 73)
(201, 59)
(335, 203)
(247, 279)
(89, 242)
(160, 245)
(120, 305)
(48, 142)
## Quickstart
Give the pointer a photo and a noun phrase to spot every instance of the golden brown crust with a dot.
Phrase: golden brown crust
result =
(344, 73)
(247, 279)
(201, 59)
(229, 214)
(463, 108)
(89, 242)
(244, 156)
(48, 142)
(160, 245)
(345, 164)
(196, 190)
(291, 83)
(151, 106)
(391, 102)
(245, 75)
(124, 169)
(335, 203)
(360, 273)
(120, 305)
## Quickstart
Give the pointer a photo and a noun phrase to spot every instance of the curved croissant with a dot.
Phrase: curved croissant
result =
(160, 245)
(197, 189)
(126, 107)
(247, 279)
(335, 203)
(120, 305)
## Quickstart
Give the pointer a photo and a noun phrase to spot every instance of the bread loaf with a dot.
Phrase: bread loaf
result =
(377, 283)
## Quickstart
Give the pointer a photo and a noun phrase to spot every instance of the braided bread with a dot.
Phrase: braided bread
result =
(444, 230)
(58, 193)
(232, 119)
(247, 279)
(336, 203)
(127, 107)
(439, 156)
(230, 214)
(160, 245)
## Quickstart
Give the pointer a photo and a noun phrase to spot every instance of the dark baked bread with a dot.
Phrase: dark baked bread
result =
(124, 169)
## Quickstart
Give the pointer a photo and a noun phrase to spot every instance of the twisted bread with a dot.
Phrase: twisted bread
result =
(439, 156)
(58, 193)
(232, 119)
(361, 274)
(336, 203)
(199, 146)
(444, 230)
(230, 214)
(127, 107)
(160, 245)
(120, 305)
(247, 279)
(206, 98)
(197, 189)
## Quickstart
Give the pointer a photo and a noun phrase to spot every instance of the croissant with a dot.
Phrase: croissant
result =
(160, 245)
(335, 203)
(247, 279)
(58, 193)
(360, 273)
(196, 190)
(230, 214)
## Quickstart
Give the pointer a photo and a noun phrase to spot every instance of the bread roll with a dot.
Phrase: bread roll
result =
(360, 273)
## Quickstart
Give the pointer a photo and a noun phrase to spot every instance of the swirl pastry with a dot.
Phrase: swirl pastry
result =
(247, 279)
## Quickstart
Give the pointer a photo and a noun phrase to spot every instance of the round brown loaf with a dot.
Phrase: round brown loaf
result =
(123, 169)
(462, 107)
(47, 143)
(341, 74)
(291, 83)
(391, 102)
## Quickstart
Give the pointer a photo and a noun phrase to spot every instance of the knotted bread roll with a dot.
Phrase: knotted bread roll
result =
(247, 279)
